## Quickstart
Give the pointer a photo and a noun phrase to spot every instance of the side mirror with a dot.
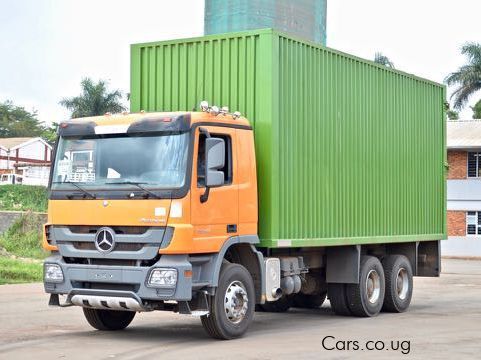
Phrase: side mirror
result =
(214, 160)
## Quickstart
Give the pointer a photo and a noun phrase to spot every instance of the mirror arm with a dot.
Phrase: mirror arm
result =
(205, 132)
(205, 196)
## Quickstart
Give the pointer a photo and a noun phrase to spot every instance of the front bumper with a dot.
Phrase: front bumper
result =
(127, 280)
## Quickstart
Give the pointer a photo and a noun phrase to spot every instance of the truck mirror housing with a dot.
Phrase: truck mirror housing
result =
(214, 160)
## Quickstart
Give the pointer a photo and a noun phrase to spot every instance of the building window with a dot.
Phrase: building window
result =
(474, 164)
(473, 223)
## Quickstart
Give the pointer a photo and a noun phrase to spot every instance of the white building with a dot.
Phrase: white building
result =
(463, 189)
(30, 157)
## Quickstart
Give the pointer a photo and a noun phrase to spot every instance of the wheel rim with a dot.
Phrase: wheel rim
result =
(402, 283)
(236, 302)
(373, 286)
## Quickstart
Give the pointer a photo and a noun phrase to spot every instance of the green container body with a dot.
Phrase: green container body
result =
(348, 151)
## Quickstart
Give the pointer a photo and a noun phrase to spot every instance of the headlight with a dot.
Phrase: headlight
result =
(53, 273)
(162, 278)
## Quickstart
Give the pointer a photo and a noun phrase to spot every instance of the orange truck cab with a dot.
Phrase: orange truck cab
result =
(142, 211)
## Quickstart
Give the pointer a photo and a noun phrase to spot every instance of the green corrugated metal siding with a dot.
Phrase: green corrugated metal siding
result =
(348, 151)
(173, 75)
(367, 143)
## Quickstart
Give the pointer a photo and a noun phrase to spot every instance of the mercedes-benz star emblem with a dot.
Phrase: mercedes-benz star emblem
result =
(105, 240)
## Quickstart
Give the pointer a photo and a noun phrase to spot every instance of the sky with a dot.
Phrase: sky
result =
(48, 46)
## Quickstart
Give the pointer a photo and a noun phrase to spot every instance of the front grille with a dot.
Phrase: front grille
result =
(132, 230)
(111, 262)
(136, 243)
(118, 247)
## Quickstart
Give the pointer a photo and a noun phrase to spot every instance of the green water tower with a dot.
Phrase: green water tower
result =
(301, 18)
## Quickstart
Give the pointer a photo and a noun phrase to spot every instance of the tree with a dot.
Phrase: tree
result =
(50, 133)
(383, 60)
(452, 115)
(467, 77)
(94, 100)
(15, 121)
(477, 110)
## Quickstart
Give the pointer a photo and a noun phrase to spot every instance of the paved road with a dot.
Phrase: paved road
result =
(444, 322)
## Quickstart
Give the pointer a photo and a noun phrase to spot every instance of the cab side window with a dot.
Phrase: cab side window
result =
(227, 169)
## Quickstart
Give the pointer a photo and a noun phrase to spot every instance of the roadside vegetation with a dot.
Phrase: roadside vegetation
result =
(23, 198)
(21, 251)
(15, 271)
(24, 238)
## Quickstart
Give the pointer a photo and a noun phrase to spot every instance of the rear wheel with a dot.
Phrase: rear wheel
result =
(309, 301)
(366, 298)
(338, 299)
(108, 319)
(399, 283)
(232, 306)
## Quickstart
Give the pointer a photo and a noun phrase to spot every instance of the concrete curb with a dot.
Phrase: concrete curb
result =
(475, 258)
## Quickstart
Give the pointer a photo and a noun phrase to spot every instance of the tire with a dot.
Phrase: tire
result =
(309, 301)
(226, 320)
(281, 305)
(338, 299)
(399, 283)
(108, 319)
(366, 298)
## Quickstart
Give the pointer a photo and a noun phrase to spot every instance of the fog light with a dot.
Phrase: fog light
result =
(162, 278)
(53, 273)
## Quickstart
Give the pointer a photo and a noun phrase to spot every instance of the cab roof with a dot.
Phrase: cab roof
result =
(145, 122)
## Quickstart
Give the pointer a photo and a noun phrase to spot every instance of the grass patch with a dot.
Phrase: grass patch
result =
(16, 271)
(24, 237)
(23, 198)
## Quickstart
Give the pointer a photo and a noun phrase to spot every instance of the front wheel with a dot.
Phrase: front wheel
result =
(108, 319)
(232, 306)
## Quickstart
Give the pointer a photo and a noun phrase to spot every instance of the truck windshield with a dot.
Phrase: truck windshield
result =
(113, 162)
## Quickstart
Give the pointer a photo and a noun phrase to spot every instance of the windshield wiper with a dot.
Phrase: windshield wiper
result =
(93, 196)
(138, 184)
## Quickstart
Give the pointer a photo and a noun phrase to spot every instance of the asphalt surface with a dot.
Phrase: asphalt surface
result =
(443, 322)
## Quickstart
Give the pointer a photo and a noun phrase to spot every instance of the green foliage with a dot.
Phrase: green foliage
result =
(24, 237)
(452, 115)
(477, 110)
(50, 133)
(468, 77)
(383, 60)
(15, 121)
(23, 198)
(94, 100)
(14, 271)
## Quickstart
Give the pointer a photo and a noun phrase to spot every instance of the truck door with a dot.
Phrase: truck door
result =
(216, 219)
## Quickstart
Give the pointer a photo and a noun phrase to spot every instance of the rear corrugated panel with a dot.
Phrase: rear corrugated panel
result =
(348, 152)
(361, 151)
(173, 75)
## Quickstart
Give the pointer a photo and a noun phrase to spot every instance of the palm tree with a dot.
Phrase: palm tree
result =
(468, 76)
(452, 115)
(95, 99)
(383, 60)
